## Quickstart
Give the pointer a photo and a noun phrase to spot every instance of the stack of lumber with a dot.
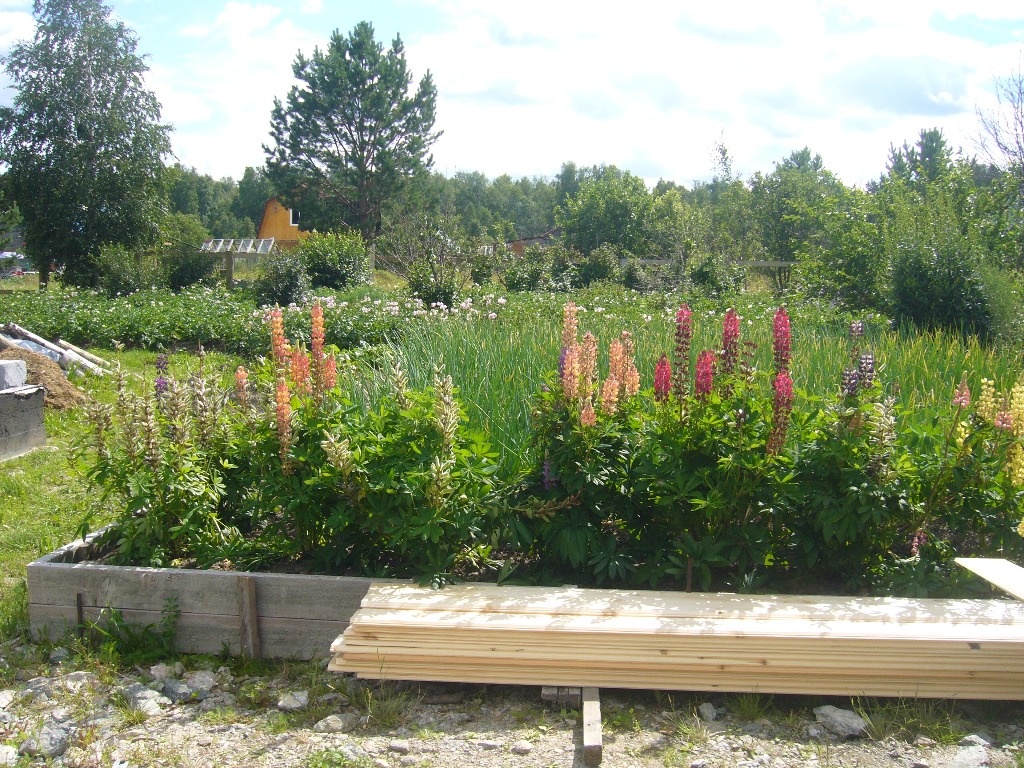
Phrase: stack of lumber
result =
(687, 641)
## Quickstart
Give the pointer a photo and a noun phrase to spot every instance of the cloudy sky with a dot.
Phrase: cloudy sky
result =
(649, 86)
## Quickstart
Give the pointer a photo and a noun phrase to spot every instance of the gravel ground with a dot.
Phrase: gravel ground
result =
(68, 708)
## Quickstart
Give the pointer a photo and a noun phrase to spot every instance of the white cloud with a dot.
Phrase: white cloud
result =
(15, 26)
(312, 6)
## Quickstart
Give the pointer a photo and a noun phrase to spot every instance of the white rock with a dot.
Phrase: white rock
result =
(201, 679)
(7, 698)
(707, 711)
(969, 757)
(338, 723)
(522, 748)
(8, 755)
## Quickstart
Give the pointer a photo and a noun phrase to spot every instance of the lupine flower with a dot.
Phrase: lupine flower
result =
(316, 350)
(616, 361)
(987, 407)
(571, 373)
(917, 541)
(160, 385)
(330, 373)
(446, 410)
(588, 364)
(662, 379)
(1004, 421)
(299, 367)
(704, 379)
(856, 329)
(962, 397)
(162, 364)
(866, 370)
(570, 324)
(278, 341)
(242, 384)
(550, 480)
(782, 340)
(782, 406)
(730, 341)
(681, 352)
(587, 416)
(631, 384)
(610, 395)
(284, 423)
(627, 344)
(851, 382)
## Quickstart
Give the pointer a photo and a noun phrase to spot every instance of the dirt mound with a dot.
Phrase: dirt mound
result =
(61, 394)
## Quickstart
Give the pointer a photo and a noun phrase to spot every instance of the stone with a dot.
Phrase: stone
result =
(343, 723)
(51, 741)
(177, 691)
(489, 744)
(13, 373)
(57, 655)
(522, 748)
(293, 701)
(707, 711)
(161, 671)
(919, 764)
(145, 700)
(842, 722)
(976, 740)
(969, 757)
(409, 760)
(8, 755)
(399, 747)
(7, 698)
(201, 679)
(75, 681)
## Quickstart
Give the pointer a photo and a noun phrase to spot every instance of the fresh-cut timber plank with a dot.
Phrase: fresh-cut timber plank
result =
(616, 638)
(485, 598)
(1008, 576)
(83, 353)
(592, 740)
(67, 357)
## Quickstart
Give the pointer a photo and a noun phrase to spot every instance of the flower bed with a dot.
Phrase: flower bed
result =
(270, 615)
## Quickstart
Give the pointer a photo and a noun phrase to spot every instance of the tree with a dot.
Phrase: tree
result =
(349, 139)
(211, 200)
(83, 140)
(254, 190)
(614, 208)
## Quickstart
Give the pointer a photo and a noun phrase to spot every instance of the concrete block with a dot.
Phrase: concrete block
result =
(12, 374)
(21, 421)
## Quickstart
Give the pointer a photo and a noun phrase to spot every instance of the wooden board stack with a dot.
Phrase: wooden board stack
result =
(688, 641)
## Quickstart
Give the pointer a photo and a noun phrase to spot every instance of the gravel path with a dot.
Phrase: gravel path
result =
(71, 709)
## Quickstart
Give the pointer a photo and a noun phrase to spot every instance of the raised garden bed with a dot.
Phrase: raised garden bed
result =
(270, 615)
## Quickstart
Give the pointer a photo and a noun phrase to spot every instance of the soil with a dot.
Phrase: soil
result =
(61, 394)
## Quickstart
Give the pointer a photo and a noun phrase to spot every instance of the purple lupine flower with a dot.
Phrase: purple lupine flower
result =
(550, 481)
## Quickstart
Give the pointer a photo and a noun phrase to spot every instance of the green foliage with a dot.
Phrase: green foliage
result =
(936, 275)
(211, 201)
(120, 271)
(182, 262)
(350, 137)
(131, 643)
(82, 139)
(430, 248)
(615, 209)
(283, 279)
(335, 259)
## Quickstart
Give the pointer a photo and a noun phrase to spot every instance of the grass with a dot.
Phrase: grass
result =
(907, 719)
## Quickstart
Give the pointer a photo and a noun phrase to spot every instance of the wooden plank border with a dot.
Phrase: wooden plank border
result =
(270, 615)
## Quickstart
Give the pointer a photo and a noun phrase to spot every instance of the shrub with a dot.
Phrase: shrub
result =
(335, 259)
(601, 265)
(183, 264)
(283, 279)
(121, 271)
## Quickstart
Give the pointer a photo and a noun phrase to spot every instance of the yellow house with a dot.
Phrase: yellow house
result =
(280, 223)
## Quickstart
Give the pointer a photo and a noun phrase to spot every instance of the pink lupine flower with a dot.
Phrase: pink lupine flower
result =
(730, 341)
(299, 362)
(588, 364)
(782, 340)
(681, 352)
(662, 379)
(782, 407)
(277, 339)
(569, 324)
(616, 360)
(704, 379)
(571, 373)
(631, 384)
(962, 397)
(1003, 420)
(330, 373)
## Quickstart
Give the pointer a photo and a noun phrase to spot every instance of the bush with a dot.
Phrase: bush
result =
(121, 271)
(335, 259)
(602, 264)
(183, 264)
(283, 280)
(936, 268)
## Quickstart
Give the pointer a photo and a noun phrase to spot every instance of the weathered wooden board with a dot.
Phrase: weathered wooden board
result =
(271, 615)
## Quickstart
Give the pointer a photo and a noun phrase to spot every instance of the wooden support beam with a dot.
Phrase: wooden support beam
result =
(1008, 576)
(562, 696)
(592, 740)
(248, 617)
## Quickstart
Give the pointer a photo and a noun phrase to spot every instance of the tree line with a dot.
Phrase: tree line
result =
(85, 169)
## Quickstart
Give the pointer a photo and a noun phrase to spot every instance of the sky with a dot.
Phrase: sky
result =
(651, 87)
